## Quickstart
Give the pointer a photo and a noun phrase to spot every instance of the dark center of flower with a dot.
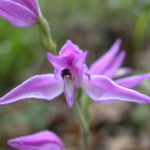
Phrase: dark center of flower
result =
(65, 73)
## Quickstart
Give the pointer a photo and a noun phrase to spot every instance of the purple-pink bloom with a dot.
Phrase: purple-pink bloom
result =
(70, 64)
(71, 72)
(44, 140)
(20, 13)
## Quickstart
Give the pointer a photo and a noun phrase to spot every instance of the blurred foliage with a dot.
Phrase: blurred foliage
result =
(17, 48)
(140, 115)
(88, 23)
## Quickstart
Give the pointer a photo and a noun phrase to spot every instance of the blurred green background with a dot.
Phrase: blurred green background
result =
(94, 26)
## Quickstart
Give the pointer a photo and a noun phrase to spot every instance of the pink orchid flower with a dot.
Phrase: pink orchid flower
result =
(20, 13)
(44, 140)
(71, 72)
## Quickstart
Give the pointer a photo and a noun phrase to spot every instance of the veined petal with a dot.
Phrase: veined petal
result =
(39, 86)
(117, 62)
(123, 71)
(102, 88)
(69, 90)
(130, 82)
(100, 65)
(17, 14)
(44, 140)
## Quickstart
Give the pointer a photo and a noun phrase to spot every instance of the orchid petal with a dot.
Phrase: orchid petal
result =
(86, 71)
(79, 79)
(69, 90)
(122, 72)
(79, 62)
(117, 62)
(44, 140)
(39, 86)
(56, 61)
(69, 48)
(102, 88)
(100, 65)
(17, 14)
(130, 82)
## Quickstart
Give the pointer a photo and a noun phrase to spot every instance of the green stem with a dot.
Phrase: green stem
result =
(85, 107)
(46, 34)
(83, 125)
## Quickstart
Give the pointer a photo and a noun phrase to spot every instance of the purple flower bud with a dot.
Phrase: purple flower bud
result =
(44, 140)
(20, 13)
